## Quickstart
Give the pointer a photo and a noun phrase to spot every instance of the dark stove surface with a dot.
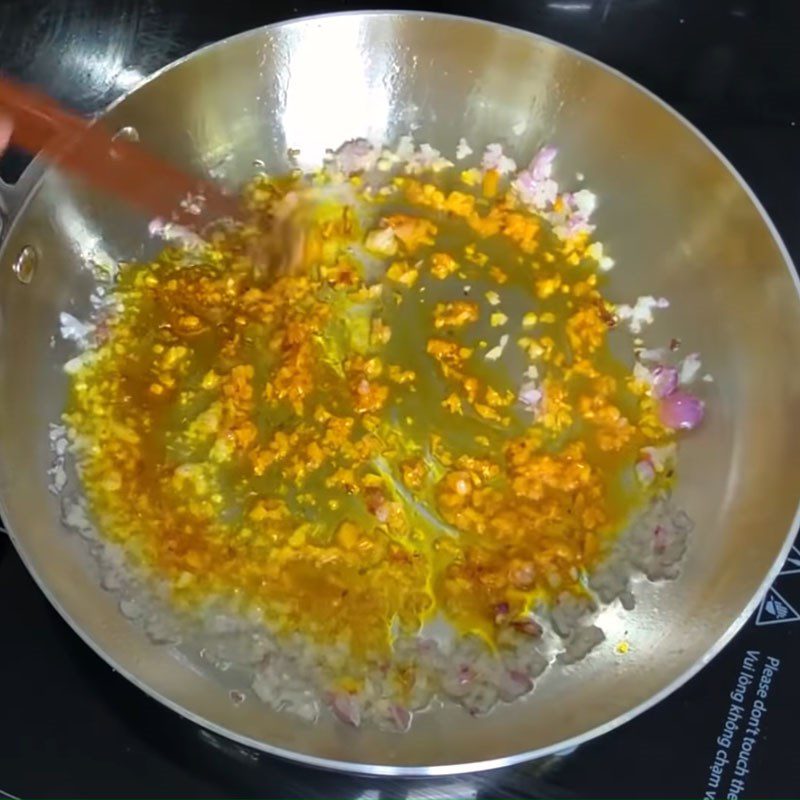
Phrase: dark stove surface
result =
(72, 727)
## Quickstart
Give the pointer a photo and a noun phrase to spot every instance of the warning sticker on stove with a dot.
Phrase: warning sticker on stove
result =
(741, 729)
(792, 565)
(775, 608)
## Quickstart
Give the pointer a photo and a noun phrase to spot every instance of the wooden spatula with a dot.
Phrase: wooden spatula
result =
(123, 168)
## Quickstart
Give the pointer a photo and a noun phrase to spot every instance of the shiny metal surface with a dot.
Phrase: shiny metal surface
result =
(24, 265)
(675, 217)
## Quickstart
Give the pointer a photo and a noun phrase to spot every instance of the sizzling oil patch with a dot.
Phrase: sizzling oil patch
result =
(425, 419)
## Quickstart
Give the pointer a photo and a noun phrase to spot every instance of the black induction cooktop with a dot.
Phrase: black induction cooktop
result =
(69, 726)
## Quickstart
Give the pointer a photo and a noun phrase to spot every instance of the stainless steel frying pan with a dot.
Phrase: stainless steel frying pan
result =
(673, 213)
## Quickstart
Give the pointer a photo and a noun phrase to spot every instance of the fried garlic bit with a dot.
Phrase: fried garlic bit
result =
(454, 314)
(275, 440)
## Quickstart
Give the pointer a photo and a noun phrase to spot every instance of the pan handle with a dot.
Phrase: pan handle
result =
(13, 196)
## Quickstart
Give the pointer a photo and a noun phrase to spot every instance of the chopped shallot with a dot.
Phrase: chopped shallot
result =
(501, 613)
(346, 708)
(660, 457)
(528, 626)
(358, 155)
(401, 717)
(72, 328)
(660, 539)
(513, 684)
(171, 232)
(642, 374)
(493, 158)
(533, 185)
(541, 166)
(682, 411)
(400, 155)
(573, 219)
(584, 202)
(530, 396)
(653, 355)
(463, 150)
(427, 158)
(641, 312)
(538, 194)
(664, 381)
(465, 675)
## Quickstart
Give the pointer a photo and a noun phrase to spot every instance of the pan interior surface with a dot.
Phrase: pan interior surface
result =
(673, 215)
